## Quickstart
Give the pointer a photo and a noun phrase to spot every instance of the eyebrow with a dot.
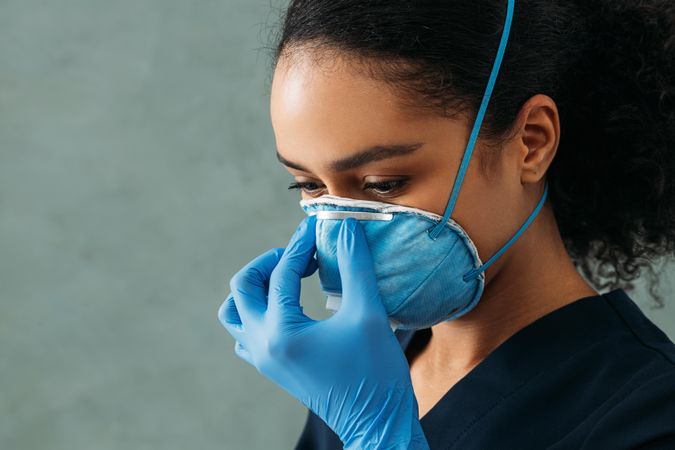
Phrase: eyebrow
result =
(362, 157)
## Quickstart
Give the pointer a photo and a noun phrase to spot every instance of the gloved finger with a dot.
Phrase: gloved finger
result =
(311, 267)
(241, 351)
(236, 329)
(249, 286)
(284, 293)
(360, 294)
(227, 313)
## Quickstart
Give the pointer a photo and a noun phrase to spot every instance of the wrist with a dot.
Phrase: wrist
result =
(413, 440)
(395, 426)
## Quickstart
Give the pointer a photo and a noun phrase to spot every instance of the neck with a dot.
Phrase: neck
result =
(533, 278)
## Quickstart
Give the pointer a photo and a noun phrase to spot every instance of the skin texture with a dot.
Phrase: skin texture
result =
(324, 112)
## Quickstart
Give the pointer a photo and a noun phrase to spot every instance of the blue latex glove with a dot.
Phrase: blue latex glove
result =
(349, 369)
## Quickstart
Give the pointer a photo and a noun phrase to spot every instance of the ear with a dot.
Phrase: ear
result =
(538, 135)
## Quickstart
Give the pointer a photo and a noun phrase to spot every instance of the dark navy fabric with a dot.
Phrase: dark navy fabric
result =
(593, 374)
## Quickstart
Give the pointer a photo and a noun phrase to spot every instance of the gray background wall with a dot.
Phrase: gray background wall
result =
(137, 174)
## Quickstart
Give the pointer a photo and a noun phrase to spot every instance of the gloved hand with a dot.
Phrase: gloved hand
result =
(349, 369)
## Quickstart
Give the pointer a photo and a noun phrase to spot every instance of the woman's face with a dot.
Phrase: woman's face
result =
(341, 133)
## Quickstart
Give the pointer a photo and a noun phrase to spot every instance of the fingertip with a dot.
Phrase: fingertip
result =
(354, 227)
(303, 238)
(221, 311)
(227, 312)
(349, 224)
(306, 224)
(310, 224)
(350, 231)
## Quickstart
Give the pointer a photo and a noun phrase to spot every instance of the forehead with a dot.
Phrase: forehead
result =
(333, 97)
(328, 110)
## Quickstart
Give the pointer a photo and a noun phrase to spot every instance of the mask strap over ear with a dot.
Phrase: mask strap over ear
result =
(436, 230)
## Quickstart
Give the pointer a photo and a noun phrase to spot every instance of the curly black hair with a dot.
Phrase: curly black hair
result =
(608, 64)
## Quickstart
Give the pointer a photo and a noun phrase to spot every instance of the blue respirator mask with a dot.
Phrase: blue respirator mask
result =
(427, 267)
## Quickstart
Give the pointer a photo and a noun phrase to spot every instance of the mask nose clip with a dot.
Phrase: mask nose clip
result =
(358, 215)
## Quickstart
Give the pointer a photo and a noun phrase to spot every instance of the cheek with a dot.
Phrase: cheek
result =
(486, 208)
(490, 211)
(431, 185)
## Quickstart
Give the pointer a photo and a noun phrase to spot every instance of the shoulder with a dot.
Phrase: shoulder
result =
(644, 415)
(642, 412)
(647, 335)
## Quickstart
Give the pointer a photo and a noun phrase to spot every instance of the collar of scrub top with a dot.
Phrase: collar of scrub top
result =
(436, 230)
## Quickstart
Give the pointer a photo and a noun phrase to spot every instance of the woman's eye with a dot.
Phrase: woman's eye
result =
(385, 187)
(307, 186)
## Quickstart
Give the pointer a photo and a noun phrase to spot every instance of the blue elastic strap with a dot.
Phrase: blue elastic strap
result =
(475, 272)
(476, 126)
(436, 230)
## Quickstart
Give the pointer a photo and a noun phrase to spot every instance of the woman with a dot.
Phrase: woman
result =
(376, 108)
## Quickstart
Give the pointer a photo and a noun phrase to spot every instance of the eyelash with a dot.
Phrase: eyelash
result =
(375, 186)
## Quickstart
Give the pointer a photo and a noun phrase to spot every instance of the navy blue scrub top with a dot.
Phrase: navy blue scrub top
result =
(593, 374)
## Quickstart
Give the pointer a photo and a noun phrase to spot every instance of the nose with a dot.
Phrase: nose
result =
(347, 190)
(339, 187)
(340, 192)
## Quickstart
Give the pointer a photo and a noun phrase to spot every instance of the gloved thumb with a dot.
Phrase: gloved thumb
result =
(296, 262)
(360, 294)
